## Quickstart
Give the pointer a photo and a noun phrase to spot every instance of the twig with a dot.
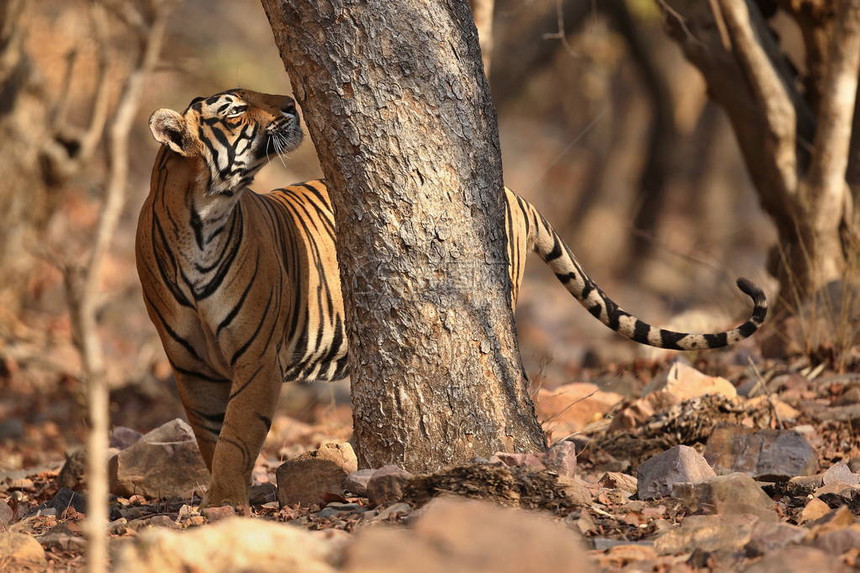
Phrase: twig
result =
(769, 89)
(827, 185)
(560, 34)
(82, 286)
(761, 382)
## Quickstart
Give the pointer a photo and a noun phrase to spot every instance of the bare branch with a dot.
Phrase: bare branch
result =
(826, 179)
(64, 165)
(99, 113)
(769, 89)
(82, 287)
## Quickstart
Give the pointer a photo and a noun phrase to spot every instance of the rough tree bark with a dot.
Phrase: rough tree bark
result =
(795, 144)
(399, 109)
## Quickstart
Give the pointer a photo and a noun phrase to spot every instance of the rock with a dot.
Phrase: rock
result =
(561, 458)
(6, 514)
(730, 494)
(569, 408)
(145, 523)
(11, 429)
(356, 482)
(840, 473)
(659, 474)
(840, 541)
(165, 462)
(453, 535)
(708, 533)
(849, 413)
(766, 455)
(122, 437)
(66, 498)
(618, 480)
(20, 552)
(513, 460)
(63, 542)
(213, 514)
(634, 414)
(72, 474)
(386, 485)
(394, 511)
(797, 558)
(783, 410)
(262, 494)
(840, 493)
(804, 485)
(767, 537)
(576, 490)
(683, 382)
(815, 509)
(617, 556)
(230, 545)
(307, 478)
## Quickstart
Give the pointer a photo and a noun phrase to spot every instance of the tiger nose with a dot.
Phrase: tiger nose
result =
(289, 108)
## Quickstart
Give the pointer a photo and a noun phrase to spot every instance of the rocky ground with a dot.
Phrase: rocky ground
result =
(661, 468)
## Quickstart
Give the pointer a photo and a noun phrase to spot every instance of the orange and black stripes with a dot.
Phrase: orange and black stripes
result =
(533, 233)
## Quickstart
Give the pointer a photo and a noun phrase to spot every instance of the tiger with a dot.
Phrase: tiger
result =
(244, 288)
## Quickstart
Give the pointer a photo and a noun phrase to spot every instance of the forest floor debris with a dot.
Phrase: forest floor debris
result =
(585, 486)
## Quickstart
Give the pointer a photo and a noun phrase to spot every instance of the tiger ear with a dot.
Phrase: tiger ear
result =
(169, 128)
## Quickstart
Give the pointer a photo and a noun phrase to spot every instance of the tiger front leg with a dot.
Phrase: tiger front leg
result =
(250, 407)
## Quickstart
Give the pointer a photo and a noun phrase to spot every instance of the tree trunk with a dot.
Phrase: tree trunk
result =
(23, 120)
(398, 107)
(795, 145)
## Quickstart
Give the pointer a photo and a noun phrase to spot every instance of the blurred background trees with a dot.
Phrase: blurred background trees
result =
(604, 125)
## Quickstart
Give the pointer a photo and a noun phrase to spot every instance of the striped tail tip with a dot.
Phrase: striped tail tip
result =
(759, 299)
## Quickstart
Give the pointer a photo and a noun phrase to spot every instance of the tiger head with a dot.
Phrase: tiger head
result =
(233, 132)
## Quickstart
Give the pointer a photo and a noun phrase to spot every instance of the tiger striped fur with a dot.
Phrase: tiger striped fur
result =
(244, 288)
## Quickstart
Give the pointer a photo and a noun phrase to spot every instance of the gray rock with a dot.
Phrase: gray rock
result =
(561, 458)
(840, 541)
(386, 484)
(707, 533)
(798, 558)
(659, 474)
(73, 473)
(11, 429)
(394, 511)
(356, 482)
(64, 499)
(767, 537)
(840, 473)
(6, 514)
(163, 463)
(309, 477)
(122, 437)
(766, 455)
(62, 541)
(733, 493)
(262, 493)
